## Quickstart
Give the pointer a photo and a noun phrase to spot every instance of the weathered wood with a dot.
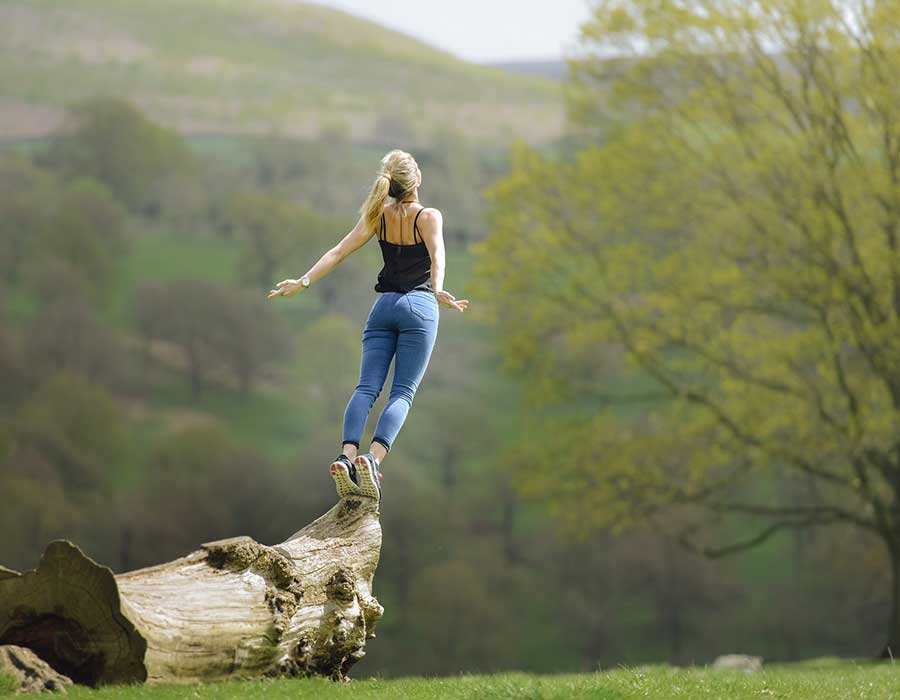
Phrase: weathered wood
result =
(234, 607)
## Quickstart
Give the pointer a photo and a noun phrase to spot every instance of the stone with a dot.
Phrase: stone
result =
(31, 673)
(739, 662)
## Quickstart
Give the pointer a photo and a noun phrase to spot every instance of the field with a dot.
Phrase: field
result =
(255, 66)
(817, 680)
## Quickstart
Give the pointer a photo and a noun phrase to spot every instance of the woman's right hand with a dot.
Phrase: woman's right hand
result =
(445, 298)
(286, 288)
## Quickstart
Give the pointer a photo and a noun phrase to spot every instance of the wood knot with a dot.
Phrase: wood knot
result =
(234, 552)
(340, 587)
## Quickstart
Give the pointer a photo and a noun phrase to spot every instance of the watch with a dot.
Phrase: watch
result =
(304, 281)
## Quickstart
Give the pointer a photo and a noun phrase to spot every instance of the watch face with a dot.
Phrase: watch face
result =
(304, 281)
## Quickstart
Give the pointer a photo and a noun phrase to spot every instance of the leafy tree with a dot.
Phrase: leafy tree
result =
(327, 356)
(251, 335)
(183, 313)
(712, 288)
(74, 425)
(215, 327)
(271, 229)
(201, 485)
(306, 169)
(457, 617)
(27, 200)
(67, 335)
(34, 509)
(12, 369)
(85, 230)
(453, 180)
(109, 139)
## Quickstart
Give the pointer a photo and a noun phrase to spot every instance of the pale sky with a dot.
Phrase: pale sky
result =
(481, 30)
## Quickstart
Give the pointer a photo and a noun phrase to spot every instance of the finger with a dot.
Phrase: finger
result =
(281, 283)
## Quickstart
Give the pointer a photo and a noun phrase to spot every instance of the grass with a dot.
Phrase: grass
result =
(842, 680)
(167, 256)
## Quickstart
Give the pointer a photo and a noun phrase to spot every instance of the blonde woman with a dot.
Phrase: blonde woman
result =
(403, 320)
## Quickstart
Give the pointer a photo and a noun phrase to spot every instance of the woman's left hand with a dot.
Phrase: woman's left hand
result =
(286, 288)
(445, 298)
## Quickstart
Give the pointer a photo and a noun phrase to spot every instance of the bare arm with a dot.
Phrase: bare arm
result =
(350, 243)
(432, 228)
(431, 225)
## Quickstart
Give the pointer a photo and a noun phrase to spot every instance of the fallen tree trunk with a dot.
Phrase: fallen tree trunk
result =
(232, 608)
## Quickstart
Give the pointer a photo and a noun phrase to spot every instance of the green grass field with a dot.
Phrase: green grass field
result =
(839, 680)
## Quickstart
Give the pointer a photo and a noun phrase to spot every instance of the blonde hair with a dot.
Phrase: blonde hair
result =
(399, 175)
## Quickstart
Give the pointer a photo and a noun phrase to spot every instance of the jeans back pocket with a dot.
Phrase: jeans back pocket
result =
(423, 305)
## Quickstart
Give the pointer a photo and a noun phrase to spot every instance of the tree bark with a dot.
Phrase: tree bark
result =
(891, 648)
(234, 607)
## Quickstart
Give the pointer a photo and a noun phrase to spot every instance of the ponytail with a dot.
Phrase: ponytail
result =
(399, 174)
(373, 206)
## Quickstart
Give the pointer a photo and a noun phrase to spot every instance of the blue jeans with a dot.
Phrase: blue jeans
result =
(399, 324)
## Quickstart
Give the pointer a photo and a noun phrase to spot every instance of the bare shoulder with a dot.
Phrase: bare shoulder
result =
(430, 217)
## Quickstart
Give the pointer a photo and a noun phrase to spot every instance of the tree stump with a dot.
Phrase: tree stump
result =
(233, 607)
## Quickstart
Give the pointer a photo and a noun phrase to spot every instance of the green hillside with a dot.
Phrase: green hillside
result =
(218, 66)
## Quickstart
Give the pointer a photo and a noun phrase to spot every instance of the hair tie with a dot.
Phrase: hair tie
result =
(387, 175)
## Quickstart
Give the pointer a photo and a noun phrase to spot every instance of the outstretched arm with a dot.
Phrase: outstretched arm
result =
(350, 243)
(431, 224)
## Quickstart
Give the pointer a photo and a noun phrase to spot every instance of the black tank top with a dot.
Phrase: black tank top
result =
(406, 266)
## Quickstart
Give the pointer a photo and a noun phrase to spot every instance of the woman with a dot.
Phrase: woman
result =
(402, 322)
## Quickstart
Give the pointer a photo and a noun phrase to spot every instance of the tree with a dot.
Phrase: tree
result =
(85, 230)
(251, 335)
(108, 138)
(216, 327)
(326, 364)
(198, 483)
(271, 229)
(184, 314)
(12, 365)
(233, 608)
(75, 426)
(729, 239)
(35, 506)
(68, 335)
(453, 180)
(24, 208)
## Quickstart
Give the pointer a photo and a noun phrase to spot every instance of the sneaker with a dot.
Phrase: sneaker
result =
(343, 471)
(368, 476)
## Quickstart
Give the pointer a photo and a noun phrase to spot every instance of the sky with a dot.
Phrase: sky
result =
(481, 30)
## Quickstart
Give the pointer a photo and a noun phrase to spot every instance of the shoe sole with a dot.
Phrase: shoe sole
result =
(365, 474)
(342, 481)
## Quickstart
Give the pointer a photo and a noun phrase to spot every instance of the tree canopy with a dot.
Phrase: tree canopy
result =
(715, 273)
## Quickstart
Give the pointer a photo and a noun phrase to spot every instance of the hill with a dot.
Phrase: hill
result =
(216, 66)
(550, 68)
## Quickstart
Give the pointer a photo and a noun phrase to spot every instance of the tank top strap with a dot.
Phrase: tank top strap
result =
(381, 232)
(416, 225)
